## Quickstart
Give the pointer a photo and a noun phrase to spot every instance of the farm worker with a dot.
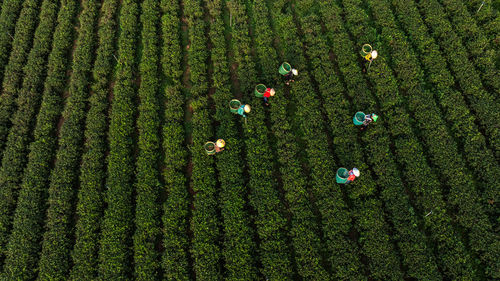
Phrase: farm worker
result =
(244, 108)
(219, 145)
(269, 93)
(289, 76)
(371, 56)
(368, 119)
(353, 174)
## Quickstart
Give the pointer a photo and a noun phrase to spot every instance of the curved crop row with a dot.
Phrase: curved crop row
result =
(175, 225)
(21, 44)
(417, 257)
(205, 249)
(8, 17)
(483, 104)
(90, 204)
(55, 259)
(462, 198)
(117, 225)
(410, 242)
(304, 230)
(341, 252)
(387, 93)
(28, 102)
(25, 241)
(477, 154)
(239, 248)
(146, 255)
(476, 42)
(488, 20)
(274, 253)
(418, 176)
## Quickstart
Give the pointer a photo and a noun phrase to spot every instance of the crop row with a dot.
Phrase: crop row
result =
(55, 259)
(483, 104)
(398, 120)
(463, 126)
(239, 248)
(387, 93)
(8, 17)
(419, 177)
(28, 102)
(25, 27)
(417, 257)
(205, 223)
(147, 187)
(175, 240)
(25, 241)
(342, 253)
(117, 225)
(488, 19)
(478, 45)
(304, 229)
(90, 203)
(462, 196)
(274, 252)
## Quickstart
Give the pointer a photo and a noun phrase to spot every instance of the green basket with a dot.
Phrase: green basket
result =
(342, 175)
(260, 90)
(285, 68)
(234, 105)
(210, 148)
(358, 118)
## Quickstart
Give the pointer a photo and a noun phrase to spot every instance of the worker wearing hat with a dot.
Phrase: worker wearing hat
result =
(368, 119)
(244, 108)
(269, 93)
(353, 174)
(289, 76)
(219, 145)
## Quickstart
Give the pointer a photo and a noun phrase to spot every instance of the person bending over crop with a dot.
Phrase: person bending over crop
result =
(368, 119)
(353, 174)
(269, 93)
(289, 76)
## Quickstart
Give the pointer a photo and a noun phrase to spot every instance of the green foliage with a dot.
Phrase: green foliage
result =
(8, 17)
(55, 259)
(117, 225)
(483, 104)
(205, 223)
(239, 248)
(341, 254)
(25, 241)
(146, 256)
(175, 240)
(90, 204)
(23, 120)
(274, 251)
(304, 230)
(463, 195)
(25, 27)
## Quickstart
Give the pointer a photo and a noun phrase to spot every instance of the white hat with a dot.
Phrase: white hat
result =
(246, 108)
(355, 171)
(374, 54)
(272, 92)
(295, 72)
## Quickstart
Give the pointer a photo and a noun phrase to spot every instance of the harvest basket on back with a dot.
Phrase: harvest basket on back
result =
(260, 90)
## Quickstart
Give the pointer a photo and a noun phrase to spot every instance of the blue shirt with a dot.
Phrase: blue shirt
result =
(241, 110)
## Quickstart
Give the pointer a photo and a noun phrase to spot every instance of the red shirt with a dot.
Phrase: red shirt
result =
(267, 94)
(351, 176)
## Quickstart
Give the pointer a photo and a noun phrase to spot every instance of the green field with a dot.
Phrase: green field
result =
(106, 107)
